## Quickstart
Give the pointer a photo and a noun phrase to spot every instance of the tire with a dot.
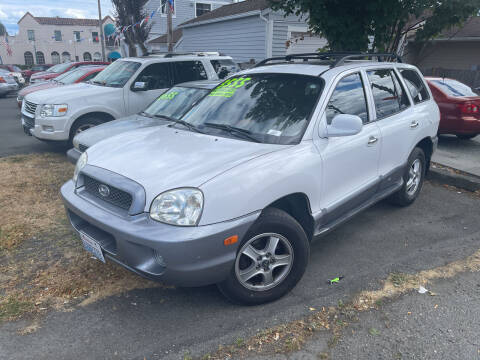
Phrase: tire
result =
(408, 194)
(466, 137)
(287, 237)
(82, 125)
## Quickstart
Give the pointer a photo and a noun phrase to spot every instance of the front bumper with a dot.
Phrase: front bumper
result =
(45, 128)
(184, 256)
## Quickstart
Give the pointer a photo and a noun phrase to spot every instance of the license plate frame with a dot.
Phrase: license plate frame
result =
(92, 246)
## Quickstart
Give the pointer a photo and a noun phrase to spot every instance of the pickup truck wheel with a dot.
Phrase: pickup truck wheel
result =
(82, 125)
(412, 179)
(270, 261)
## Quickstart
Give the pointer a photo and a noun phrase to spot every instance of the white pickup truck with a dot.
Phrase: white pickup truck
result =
(124, 88)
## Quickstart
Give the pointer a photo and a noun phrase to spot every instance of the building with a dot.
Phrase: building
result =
(52, 40)
(457, 48)
(248, 30)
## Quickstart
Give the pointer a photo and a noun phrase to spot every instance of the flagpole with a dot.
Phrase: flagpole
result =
(169, 25)
(100, 25)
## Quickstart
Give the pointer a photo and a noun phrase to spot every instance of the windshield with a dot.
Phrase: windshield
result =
(271, 108)
(60, 68)
(73, 75)
(175, 102)
(117, 73)
(454, 88)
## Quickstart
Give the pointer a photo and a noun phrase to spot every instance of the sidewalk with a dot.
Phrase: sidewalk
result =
(463, 155)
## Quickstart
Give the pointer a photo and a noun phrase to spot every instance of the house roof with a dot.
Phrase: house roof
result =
(470, 29)
(177, 34)
(230, 10)
(65, 21)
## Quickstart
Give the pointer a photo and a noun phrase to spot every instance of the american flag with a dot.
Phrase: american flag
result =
(5, 43)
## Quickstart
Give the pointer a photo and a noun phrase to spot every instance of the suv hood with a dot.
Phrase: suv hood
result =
(101, 132)
(67, 93)
(162, 158)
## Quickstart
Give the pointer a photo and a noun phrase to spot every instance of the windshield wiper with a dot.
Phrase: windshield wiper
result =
(101, 83)
(246, 134)
(182, 122)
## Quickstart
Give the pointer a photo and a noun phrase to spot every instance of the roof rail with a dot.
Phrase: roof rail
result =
(335, 58)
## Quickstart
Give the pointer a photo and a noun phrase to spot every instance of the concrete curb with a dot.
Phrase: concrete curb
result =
(445, 175)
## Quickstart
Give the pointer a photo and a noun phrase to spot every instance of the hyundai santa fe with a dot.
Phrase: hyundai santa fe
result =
(235, 191)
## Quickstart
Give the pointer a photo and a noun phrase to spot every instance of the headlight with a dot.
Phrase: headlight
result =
(81, 162)
(53, 110)
(181, 207)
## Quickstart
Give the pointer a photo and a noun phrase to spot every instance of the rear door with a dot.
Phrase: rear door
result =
(157, 78)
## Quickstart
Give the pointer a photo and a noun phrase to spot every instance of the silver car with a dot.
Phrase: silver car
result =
(168, 107)
(7, 84)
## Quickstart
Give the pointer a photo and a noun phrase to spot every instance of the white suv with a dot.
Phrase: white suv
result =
(124, 88)
(235, 191)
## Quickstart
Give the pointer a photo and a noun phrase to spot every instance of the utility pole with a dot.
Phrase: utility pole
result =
(169, 26)
(100, 25)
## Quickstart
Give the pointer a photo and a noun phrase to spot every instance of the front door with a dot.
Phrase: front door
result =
(350, 163)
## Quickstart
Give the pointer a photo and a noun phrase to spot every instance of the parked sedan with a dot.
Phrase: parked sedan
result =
(74, 76)
(459, 107)
(59, 69)
(7, 84)
(35, 69)
(168, 107)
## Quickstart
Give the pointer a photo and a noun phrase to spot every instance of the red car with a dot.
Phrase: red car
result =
(35, 69)
(59, 69)
(74, 76)
(459, 107)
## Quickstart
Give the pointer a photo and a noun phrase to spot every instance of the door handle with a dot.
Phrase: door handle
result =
(372, 140)
(414, 124)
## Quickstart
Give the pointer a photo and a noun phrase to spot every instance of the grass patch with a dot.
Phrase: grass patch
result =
(11, 307)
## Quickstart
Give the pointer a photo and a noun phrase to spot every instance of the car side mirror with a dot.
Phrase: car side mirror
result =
(344, 125)
(139, 86)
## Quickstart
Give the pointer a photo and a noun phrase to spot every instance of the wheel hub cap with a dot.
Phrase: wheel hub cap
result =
(414, 177)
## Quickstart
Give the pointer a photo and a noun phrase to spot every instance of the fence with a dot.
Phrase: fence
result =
(469, 77)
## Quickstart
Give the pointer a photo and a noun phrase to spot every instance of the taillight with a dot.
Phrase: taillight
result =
(2, 80)
(469, 108)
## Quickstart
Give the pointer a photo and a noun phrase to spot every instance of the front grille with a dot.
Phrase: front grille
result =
(29, 122)
(82, 147)
(30, 107)
(115, 197)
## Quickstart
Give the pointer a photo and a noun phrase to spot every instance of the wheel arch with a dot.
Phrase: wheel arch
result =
(99, 114)
(426, 144)
(297, 205)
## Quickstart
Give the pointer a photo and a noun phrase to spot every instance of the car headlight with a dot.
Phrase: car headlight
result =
(181, 207)
(81, 162)
(53, 110)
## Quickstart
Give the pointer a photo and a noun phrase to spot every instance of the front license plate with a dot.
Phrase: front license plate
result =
(92, 246)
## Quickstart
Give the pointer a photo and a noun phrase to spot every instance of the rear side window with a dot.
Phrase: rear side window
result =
(389, 98)
(415, 85)
(224, 67)
(348, 98)
(188, 71)
(156, 76)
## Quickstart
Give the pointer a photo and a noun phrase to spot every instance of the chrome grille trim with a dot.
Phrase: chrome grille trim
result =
(30, 107)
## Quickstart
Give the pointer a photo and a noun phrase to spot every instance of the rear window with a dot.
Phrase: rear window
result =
(415, 85)
(454, 88)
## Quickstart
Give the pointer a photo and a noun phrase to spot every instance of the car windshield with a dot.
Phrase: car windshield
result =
(268, 108)
(73, 75)
(60, 68)
(454, 88)
(117, 73)
(175, 102)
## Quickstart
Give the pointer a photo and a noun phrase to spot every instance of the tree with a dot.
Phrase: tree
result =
(348, 25)
(3, 30)
(130, 12)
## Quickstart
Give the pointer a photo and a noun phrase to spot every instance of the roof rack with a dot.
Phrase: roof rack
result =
(335, 58)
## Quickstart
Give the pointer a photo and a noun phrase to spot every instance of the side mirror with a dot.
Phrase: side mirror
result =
(344, 125)
(139, 86)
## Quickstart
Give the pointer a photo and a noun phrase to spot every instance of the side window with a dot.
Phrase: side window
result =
(156, 76)
(188, 71)
(224, 67)
(348, 98)
(386, 96)
(415, 85)
(402, 95)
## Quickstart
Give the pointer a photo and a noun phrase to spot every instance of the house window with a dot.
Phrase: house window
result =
(66, 57)
(28, 58)
(202, 8)
(57, 34)
(31, 35)
(95, 37)
(87, 56)
(40, 58)
(166, 4)
(76, 36)
(55, 57)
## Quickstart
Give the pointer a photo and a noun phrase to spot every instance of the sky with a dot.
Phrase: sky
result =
(12, 10)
